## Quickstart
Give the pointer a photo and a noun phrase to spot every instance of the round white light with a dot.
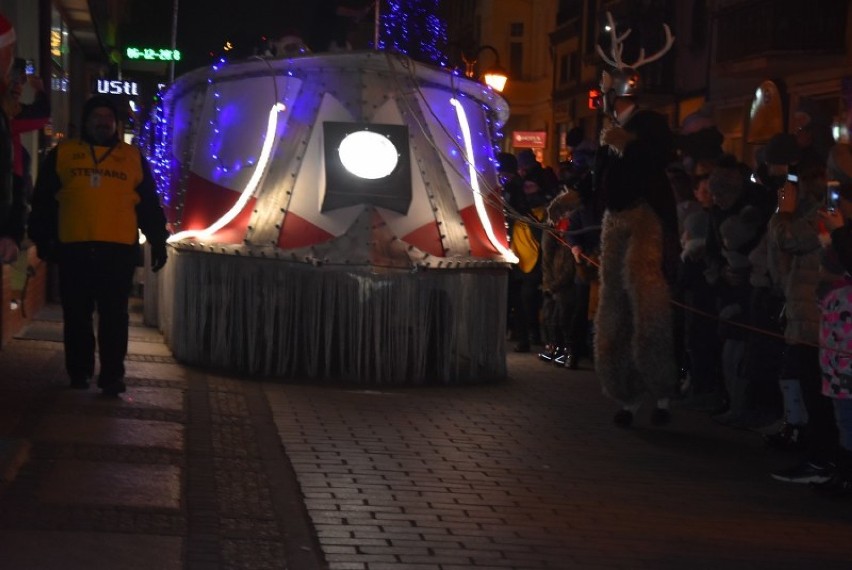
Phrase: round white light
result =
(368, 155)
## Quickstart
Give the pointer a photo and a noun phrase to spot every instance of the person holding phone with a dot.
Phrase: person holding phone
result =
(796, 232)
(24, 118)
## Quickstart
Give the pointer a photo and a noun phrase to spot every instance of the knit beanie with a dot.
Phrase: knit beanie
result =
(97, 101)
(7, 32)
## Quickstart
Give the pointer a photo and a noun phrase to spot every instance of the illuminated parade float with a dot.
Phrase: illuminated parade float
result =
(337, 217)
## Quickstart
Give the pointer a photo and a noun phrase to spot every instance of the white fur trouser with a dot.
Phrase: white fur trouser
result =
(634, 352)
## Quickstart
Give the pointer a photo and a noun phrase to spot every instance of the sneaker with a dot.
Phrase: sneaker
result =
(789, 436)
(837, 487)
(548, 354)
(805, 472)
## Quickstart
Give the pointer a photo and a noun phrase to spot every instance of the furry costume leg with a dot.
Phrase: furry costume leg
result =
(634, 351)
(613, 318)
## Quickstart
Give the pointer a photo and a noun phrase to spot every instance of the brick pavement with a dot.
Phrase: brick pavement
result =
(532, 474)
(187, 471)
(184, 471)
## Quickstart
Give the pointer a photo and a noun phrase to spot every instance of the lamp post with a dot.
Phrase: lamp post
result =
(495, 76)
(174, 40)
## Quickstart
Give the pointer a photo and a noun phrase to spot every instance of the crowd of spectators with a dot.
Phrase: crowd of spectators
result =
(763, 291)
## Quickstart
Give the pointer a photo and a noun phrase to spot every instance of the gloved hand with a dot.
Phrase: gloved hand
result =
(616, 138)
(158, 256)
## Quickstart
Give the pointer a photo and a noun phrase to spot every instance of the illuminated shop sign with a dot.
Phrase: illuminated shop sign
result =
(153, 54)
(116, 87)
(529, 139)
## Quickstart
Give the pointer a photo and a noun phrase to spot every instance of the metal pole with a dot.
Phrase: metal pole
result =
(377, 24)
(174, 40)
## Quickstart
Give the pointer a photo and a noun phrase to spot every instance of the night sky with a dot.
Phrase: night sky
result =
(205, 25)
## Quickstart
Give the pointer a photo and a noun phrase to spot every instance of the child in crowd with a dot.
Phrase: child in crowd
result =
(836, 338)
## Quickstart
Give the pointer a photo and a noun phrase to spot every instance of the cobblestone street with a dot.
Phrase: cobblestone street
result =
(188, 470)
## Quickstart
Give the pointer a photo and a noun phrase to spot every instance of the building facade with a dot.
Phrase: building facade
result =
(725, 54)
(518, 32)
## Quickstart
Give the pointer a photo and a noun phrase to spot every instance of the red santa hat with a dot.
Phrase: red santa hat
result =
(7, 32)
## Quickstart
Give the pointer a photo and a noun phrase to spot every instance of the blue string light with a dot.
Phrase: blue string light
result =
(413, 28)
(156, 135)
(216, 127)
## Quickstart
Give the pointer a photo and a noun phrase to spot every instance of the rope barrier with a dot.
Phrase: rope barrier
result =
(595, 263)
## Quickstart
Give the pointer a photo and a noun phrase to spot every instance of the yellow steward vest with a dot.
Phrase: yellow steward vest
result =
(97, 202)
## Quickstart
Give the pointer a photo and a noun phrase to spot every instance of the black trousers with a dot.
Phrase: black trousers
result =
(802, 362)
(528, 304)
(96, 276)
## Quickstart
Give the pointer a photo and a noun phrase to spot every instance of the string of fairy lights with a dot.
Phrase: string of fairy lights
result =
(216, 127)
(414, 29)
(397, 26)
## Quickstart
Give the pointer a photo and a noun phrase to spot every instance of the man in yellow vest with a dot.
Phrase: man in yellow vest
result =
(91, 198)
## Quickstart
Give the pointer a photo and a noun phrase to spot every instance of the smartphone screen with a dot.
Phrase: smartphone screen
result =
(30, 67)
(832, 195)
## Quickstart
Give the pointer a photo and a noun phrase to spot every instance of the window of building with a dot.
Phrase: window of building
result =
(516, 30)
(569, 68)
(516, 59)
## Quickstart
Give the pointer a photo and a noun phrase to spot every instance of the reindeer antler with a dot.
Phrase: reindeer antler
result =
(669, 42)
(618, 46)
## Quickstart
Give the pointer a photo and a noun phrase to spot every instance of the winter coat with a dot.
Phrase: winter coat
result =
(797, 235)
(557, 261)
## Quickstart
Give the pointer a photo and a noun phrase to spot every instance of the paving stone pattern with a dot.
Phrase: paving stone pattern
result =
(532, 474)
(173, 474)
(188, 470)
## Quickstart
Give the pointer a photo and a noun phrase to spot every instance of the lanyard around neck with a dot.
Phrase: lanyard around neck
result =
(97, 160)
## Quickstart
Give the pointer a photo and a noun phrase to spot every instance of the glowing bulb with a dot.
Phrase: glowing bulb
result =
(368, 155)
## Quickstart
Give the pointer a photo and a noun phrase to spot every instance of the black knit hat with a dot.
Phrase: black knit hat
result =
(96, 102)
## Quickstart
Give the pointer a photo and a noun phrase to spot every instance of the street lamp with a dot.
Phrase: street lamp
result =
(495, 76)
